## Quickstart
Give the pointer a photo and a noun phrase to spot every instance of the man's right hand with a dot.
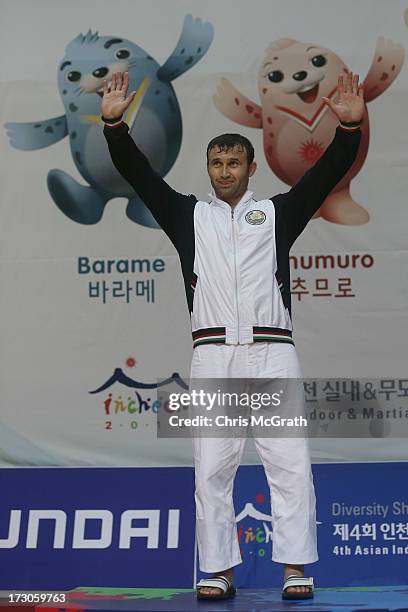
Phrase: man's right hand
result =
(114, 101)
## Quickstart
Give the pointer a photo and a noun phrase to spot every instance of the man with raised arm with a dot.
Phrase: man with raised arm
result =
(234, 254)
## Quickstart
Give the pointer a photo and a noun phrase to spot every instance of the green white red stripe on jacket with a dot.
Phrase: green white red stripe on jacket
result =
(217, 335)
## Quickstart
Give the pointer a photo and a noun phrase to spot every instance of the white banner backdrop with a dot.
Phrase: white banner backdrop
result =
(70, 320)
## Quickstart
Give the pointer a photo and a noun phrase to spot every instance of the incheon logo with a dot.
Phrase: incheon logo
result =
(136, 399)
(255, 536)
(255, 529)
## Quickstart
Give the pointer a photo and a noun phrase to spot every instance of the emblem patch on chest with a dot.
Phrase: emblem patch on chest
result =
(255, 217)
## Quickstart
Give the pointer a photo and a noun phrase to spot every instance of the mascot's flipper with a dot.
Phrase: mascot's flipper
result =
(78, 202)
(231, 103)
(386, 65)
(38, 134)
(194, 42)
(138, 212)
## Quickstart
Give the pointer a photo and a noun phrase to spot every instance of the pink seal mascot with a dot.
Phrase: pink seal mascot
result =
(297, 82)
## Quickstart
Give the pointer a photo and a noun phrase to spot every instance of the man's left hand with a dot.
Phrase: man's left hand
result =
(350, 102)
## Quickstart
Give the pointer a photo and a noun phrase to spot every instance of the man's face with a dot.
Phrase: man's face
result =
(229, 173)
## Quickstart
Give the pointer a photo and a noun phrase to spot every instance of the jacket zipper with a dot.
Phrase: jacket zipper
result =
(235, 271)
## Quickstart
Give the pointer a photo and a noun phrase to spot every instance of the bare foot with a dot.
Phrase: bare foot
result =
(295, 570)
(215, 591)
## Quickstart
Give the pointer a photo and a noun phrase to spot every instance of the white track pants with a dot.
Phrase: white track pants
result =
(286, 462)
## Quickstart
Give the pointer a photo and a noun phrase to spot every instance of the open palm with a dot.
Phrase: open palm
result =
(350, 102)
(114, 101)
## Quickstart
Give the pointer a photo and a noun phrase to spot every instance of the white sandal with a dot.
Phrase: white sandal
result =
(219, 582)
(297, 581)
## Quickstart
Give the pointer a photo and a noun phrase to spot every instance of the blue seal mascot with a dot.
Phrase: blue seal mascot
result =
(154, 118)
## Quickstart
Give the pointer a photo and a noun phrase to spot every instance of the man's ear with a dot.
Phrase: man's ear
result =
(252, 168)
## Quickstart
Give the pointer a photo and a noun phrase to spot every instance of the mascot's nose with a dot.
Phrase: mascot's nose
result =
(300, 76)
(99, 73)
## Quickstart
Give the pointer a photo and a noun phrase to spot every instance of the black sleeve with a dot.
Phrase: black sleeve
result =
(308, 194)
(172, 210)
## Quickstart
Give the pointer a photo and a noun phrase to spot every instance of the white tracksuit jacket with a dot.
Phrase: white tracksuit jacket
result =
(235, 263)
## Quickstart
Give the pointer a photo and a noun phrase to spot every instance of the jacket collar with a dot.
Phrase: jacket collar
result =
(217, 202)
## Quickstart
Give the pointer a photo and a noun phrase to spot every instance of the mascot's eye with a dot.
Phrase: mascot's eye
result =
(100, 73)
(318, 61)
(122, 54)
(276, 76)
(73, 76)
